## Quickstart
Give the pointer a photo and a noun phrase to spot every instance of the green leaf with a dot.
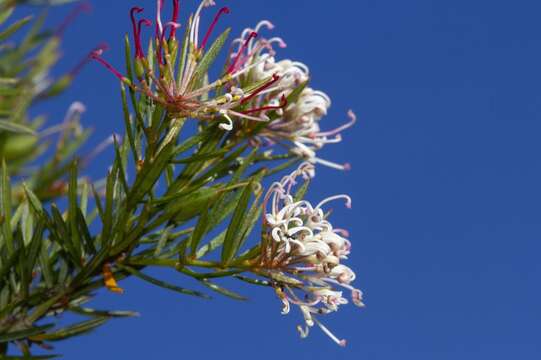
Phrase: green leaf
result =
(34, 248)
(208, 59)
(23, 334)
(194, 158)
(128, 124)
(162, 240)
(252, 281)
(6, 13)
(152, 170)
(184, 50)
(15, 128)
(82, 228)
(98, 203)
(299, 194)
(200, 229)
(233, 236)
(249, 221)
(72, 330)
(108, 211)
(186, 207)
(14, 27)
(121, 166)
(222, 290)
(45, 266)
(33, 200)
(72, 209)
(215, 243)
(103, 313)
(9, 264)
(5, 213)
(160, 283)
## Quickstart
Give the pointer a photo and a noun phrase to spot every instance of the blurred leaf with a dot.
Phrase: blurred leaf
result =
(14, 27)
(16, 128)
(5, 213)
(5, 13)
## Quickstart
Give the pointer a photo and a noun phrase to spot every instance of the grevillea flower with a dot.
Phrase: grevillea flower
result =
(254, 88)
(184, 91)
(296, 125)
(303, 253)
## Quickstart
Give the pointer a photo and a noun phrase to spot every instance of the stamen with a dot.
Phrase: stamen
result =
(344, 167)
(342, 232)
(174, 18)
(265, 23)
(274, 79)
(96, 55)
(341, 342)
(224, 10)
(303, 332)
(352, 120)
(335, 197)
(227, 126)
(74, 112)
(281, 43)
(233, 65)
(81, 8)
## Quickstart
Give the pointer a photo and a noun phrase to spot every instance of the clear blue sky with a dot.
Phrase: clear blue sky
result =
(446, 179)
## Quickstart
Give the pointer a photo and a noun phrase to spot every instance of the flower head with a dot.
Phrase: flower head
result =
(303, 253)
(297, 124)
(184, 92)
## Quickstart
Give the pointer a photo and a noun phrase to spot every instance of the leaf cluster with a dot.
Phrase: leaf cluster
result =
(171, 198)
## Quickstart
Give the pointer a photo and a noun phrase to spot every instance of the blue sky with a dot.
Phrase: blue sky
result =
(446, 218)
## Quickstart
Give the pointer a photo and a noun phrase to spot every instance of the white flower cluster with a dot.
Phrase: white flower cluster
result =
(304, 245)
(297, 122)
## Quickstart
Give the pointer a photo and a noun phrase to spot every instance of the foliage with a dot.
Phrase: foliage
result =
(166, 190)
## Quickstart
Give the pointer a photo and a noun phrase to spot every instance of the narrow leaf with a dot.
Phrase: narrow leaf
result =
(72, 330)
(233, 235)
(160, 283)
(222, 290)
